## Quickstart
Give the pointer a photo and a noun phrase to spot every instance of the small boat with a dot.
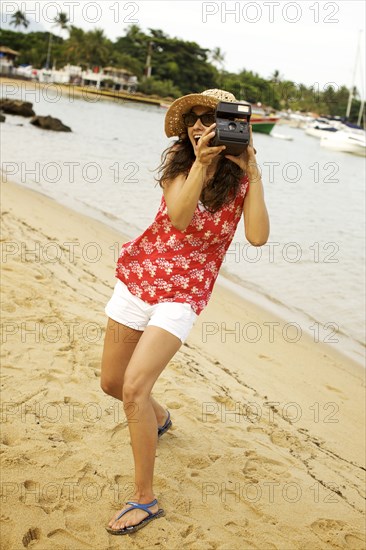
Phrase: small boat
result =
(282, 136)
(346, 141)
(263, 123)
(320, 127)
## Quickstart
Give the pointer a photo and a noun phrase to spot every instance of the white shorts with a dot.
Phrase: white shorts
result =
(127, 309)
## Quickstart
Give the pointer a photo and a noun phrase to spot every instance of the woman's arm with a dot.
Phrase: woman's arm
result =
(256, 220)
(182, 194)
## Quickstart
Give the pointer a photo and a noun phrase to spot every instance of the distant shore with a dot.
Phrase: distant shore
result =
(88, 93)
(92, 95)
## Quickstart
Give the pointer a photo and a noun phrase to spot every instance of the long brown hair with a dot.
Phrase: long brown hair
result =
(221, 189)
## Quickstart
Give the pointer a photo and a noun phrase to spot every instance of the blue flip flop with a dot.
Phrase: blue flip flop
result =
(166, 426)
(145, 521)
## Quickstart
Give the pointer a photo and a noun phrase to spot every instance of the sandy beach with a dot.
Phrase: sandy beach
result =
(267, 448)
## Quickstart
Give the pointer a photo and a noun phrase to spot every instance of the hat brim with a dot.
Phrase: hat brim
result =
(174, 125)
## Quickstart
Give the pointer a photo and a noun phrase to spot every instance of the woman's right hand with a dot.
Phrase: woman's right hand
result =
(204, 153)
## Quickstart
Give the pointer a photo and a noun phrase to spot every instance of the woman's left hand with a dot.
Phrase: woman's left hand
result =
(247, 159)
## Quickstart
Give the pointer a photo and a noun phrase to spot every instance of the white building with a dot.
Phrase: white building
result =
(109, 77)
(7, 58)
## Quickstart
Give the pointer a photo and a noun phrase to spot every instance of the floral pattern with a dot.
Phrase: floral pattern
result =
(164, 264)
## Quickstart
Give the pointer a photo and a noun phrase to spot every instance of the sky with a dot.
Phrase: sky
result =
(307, 41)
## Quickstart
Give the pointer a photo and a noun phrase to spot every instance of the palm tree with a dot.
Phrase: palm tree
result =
(218, 57)
(75, 46)
(276, 76)
(19, 18)
(97, 47)
(61, 21)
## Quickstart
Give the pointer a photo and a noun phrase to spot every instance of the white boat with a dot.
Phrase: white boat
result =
(348, 142)
(281, 136)
(320, 127)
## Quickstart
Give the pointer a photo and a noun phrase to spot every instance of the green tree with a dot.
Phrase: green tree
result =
(162, 88)
(75, 46)
(19, 19)
(61, 20)
(134, 44)
(217, 57)
(97, 48)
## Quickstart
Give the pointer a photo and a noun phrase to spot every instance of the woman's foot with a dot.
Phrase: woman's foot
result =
(134, 516)
(162, 418)
(167, 423)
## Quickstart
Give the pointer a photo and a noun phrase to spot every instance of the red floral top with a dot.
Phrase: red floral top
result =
(165, 264)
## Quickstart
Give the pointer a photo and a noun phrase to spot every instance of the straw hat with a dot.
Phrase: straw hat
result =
(174, 125)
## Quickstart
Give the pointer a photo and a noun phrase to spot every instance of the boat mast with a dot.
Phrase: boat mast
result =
(351, 96)
(361, 114)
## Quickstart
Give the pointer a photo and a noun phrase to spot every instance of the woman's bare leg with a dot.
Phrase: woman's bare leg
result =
(152, 353)
(119, 344)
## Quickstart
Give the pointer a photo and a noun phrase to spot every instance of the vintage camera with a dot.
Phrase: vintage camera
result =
(232, 127)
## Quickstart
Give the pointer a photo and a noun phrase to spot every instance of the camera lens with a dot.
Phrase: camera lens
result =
(231, 126)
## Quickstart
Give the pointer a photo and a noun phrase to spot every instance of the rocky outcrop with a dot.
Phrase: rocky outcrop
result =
(17, 107)
(50, 123)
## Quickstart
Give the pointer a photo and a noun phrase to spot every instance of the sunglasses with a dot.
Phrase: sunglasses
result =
(207, 119)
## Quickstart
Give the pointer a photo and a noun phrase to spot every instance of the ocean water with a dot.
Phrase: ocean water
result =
(312, 269)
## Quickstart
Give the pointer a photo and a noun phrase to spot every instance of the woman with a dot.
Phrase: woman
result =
(166, 275)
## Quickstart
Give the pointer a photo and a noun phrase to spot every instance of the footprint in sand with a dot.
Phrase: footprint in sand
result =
(187, 531)
(9, 308)
(285, 439)
(71, 434)
(173, 405)
(32, 534)
(265, 469)
(336, 390)
(120, 430)
(331, 530)
(199, 463)
(234, 528)
(30, 486)
(356, 541)
(64, 539)
(214, 457)
(76, 523)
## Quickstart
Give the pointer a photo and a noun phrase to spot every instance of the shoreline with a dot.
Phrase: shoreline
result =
(345, 347)
(87, 93)
(350, 341)
(248, 419)
(274, 312)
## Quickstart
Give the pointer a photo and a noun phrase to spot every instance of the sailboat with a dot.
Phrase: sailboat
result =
(353, 141)
(350, 138)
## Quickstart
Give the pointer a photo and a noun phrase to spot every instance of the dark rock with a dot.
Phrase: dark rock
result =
(17, 107)
(50, 123)
(2, 118)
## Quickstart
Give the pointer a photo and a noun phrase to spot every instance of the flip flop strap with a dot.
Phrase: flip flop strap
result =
(166, 422)
(139, 506)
